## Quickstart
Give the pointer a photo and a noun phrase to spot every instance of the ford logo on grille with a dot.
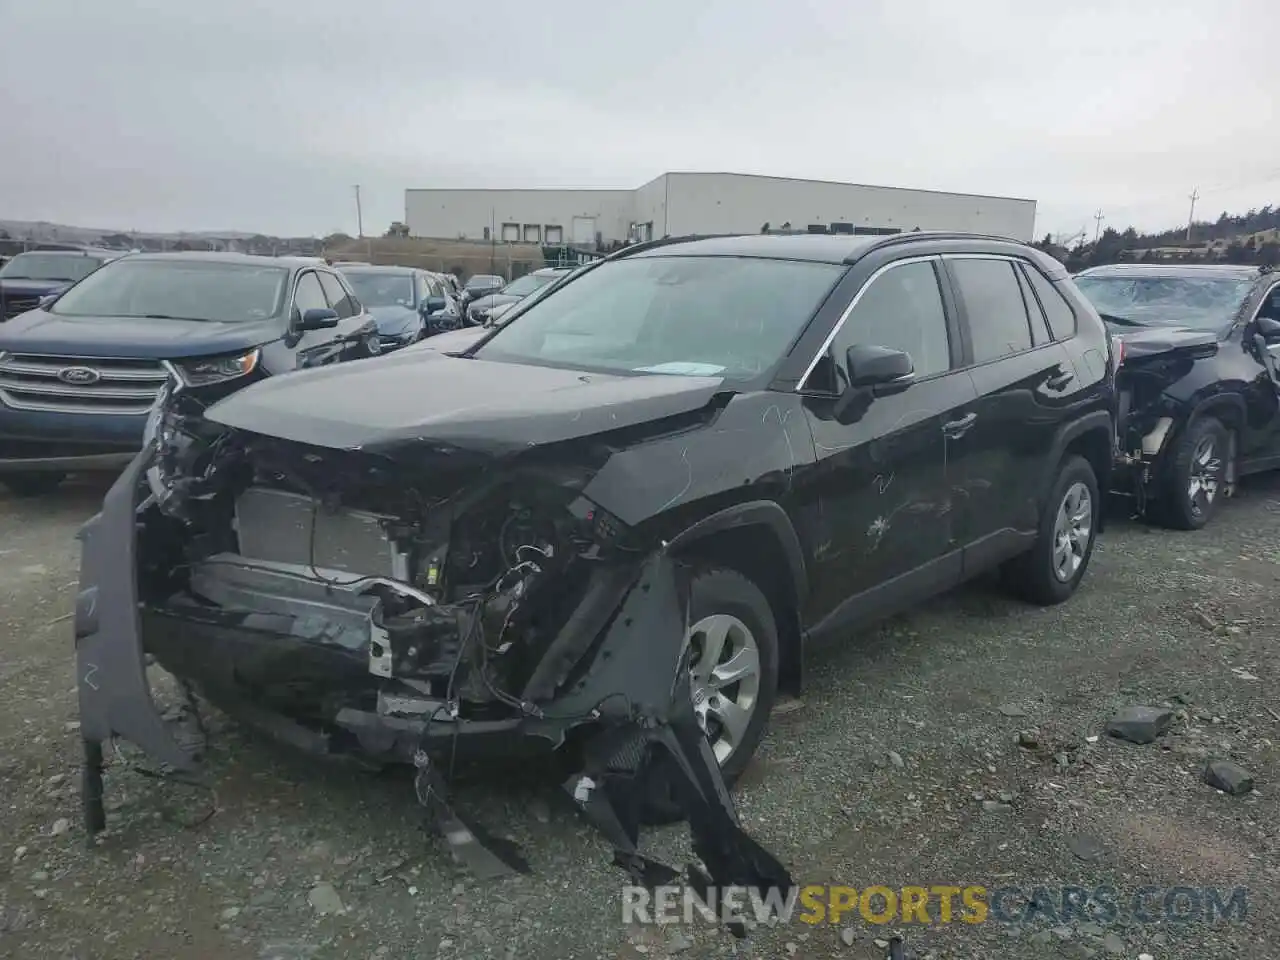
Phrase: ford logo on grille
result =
(81, 376)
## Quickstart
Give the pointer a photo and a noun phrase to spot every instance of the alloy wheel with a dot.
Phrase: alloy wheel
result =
(1072, 530)
(724, 680)
(1206, 476)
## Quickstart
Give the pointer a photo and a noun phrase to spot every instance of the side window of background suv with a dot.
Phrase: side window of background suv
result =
(998, 324)
(308, 295)
(900, 309)
(338, 297)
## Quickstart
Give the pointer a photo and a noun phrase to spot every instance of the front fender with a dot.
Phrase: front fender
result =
(758, 513)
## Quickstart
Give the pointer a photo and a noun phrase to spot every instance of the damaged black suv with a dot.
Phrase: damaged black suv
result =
(1198, 385)
(649, 492)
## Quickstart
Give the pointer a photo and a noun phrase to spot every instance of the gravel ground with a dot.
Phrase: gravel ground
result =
(900, 766)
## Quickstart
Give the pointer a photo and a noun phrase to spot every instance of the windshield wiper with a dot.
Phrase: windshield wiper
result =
(163, 316)
(1123, 321)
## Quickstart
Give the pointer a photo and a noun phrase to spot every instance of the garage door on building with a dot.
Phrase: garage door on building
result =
(584, 230)
(511, 233)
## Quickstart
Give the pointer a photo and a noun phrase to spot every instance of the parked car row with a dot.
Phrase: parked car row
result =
(29, 277)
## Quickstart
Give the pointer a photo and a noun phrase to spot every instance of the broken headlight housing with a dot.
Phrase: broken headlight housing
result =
(207, 371)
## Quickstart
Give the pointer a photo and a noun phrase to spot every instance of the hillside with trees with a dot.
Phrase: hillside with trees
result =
(1250, 238)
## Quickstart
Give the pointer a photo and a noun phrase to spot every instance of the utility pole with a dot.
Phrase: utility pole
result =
(1097, 225)
(359, 215)
(1195, 195)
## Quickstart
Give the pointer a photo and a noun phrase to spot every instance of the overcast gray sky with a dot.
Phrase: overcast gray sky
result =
(240, 115)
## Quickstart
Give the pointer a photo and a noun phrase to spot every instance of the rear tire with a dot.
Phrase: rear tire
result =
(33, 484)
(1193, 479)
(1052, 569)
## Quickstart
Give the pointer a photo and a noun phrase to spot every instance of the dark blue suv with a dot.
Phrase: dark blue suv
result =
(80, 374)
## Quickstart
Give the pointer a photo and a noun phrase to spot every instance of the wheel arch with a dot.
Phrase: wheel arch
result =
(1093, 438)
(759, 541)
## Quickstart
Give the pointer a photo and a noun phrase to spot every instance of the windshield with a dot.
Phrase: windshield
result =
(1206, 303)
(178, 290)
(68, 267)
(697, 316)
(525, 285)
(382, 289)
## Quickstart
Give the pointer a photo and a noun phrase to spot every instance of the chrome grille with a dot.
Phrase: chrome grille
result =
(13, 305)
(79, 384)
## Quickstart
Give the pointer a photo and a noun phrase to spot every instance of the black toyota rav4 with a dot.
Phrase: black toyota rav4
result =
(625, 513)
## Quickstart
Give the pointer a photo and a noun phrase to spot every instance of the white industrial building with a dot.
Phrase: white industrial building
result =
(679, 204)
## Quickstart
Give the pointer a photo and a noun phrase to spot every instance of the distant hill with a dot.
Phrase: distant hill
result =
(17, 235)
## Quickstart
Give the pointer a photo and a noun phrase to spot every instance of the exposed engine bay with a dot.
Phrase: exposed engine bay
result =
(353, 602)
(450, 594)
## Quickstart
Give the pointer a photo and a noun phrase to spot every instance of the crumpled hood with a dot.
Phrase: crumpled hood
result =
(393, 320)
(1143, 342)
(482, 406)
(40, 332)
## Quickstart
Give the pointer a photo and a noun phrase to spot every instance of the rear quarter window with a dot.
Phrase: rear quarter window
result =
(1057, 311)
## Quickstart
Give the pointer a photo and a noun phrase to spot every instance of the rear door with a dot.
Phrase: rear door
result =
(1023, 380)
(879, 502)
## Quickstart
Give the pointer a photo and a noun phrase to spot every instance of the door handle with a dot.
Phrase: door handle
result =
(955, 429)
(1060, 381)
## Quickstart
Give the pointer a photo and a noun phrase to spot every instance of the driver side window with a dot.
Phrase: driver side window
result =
(901, 309)
(308, 295)
(1270, 306)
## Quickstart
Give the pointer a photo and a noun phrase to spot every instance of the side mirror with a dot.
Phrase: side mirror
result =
(433, 305)
(873, 372)
(884, 370)
(47, 301)
(318, 318)
(1269, 328)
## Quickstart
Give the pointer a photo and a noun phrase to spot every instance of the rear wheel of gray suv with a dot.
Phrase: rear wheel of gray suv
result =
(32, 484)
(1194, 475)
(1052, 569)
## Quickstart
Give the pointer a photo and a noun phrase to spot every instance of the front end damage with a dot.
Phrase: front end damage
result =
(395, 607)
(1151, 413)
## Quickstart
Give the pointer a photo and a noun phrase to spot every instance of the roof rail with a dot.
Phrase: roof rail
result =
(644, 245)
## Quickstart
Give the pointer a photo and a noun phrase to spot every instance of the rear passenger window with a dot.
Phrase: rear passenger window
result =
(992, 298)
(1039, 332)
(1062, 319)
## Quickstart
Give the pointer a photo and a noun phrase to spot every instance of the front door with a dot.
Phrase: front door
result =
(878, 507)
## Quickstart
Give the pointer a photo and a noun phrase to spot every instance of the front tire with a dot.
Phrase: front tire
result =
(1052, 569)
(734, 671)
(1192, 482)
(733, 677)
(33, 484)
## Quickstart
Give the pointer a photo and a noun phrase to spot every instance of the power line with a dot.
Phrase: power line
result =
(1191, 217)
